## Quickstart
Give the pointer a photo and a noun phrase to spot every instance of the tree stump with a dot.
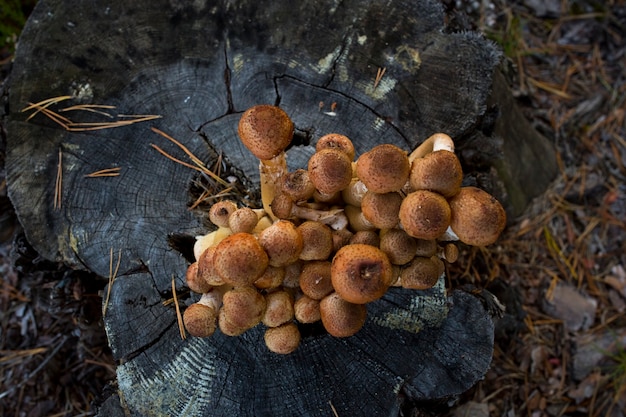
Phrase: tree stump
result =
(199, 66)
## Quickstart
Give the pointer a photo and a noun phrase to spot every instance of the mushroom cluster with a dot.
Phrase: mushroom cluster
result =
(333, 237)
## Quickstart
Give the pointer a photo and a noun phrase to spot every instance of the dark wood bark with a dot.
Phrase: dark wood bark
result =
(200, 66)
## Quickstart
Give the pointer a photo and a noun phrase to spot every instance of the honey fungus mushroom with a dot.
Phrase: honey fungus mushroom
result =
(330, 170)
(239, 259)
(477, 217)
(361, 273)
(425, 214)
(383, 169)
(340, 317)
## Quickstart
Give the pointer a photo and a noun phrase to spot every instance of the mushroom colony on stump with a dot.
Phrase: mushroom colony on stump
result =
(333, 237)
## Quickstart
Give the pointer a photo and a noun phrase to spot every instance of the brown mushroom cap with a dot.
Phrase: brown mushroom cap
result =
(283, 339)
(221, 211)
(383, 169)
(317, 241)
(336, 141)
(422, 273)
(265, 130)
(243, 219)
(398, 245)
(297, 185)
(340, 317)
(425, 214)
(196, 282)
(242, 309)
(438, 171)
(477, 217)
(206, 267)
(330, 170)
(272, 278)
(282, 242)
(361, 273)
(279, 308)
(366, 237)
(307, 310)
(315, 280)
(239, 259)
(200, 320)
(382, 210)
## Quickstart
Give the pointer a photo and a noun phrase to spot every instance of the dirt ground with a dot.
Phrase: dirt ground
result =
(560, 268)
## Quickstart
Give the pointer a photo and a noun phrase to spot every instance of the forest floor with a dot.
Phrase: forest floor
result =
(560, 268)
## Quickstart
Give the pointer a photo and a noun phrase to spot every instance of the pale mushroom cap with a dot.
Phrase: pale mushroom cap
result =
(206, 267)
(315, 279)
(239, 259)
(282, 242)
(425, 214)
(361, 273)
(284, 339)
(382, 210)
(265, 130)
(242, 309)
(279, 308)
(317, 241)
(243, 220)
(383, 169)
(200, 320)
(221, 211)
(477, 217)
(195, 282)
(438, 171)
(330, 170)
(336, 141)
(340, 317)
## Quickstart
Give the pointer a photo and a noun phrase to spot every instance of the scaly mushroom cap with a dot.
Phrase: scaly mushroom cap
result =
(330, 170)
(398, 245)
(317, 241)
(282, 242)
(425, 214)
(336, 141)
(361, 273)
(438, 171)
(242, 309)
(283, 339)
(200, 320)
(279, 308)
(243, 219)
(307, 310)
(272, 278)
(383, 169)
(315, 280)
(340, 317)
(206, 268)
(477, 217)
(297, 185)
(221, 211)
(382, 209)
(195, 282)
(421, 274)
(265, 130)
(239, 259)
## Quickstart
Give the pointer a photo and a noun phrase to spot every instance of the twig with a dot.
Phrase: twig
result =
(107, 172)
(179, 317)
(112, 275)
(58, 186)
(379, 76)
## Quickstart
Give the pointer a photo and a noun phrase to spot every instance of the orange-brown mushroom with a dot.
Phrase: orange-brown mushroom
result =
(477, 217)
(330, 170)
(336, 141)
(425, 214)
(315, 279)
(382, 210)
(282, 242)
(438, 171)
(383, 169)
(242, 309)
(340, 317)
(239, 259)
(361, 273)
(283, 339)
(317, 239)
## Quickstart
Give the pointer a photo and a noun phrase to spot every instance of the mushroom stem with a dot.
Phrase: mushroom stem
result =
(436, 142)
(213, 298)
(271, 172)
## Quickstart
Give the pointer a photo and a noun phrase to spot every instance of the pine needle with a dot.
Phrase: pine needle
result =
(179, 317)
(112, 276)
(107, 172)
(58, 186)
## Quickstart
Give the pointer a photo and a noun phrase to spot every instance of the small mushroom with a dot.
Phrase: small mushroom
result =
(433, 143)
(438, 171)
(221, 211)
(297, 185)
(279, 308)
(424, 214)
(340, 317)
(330, 170)
(382, 210)
(267, 131)
(477, 217)
(315, 279)
(242, 309)
(398, 245)
(307, 310)
(272, 278)
(360, 273)
(283, 339)
(200, 318)
(366, 237)
(336, 141)
(243, 220)
(422, 273)
(317, 241)
(206, 268)
(383, 169)
(282, 242)
(284, 207)
(195, 282)
(239, 259)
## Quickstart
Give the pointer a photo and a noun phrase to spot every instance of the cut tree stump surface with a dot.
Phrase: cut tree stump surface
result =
(199, 66)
